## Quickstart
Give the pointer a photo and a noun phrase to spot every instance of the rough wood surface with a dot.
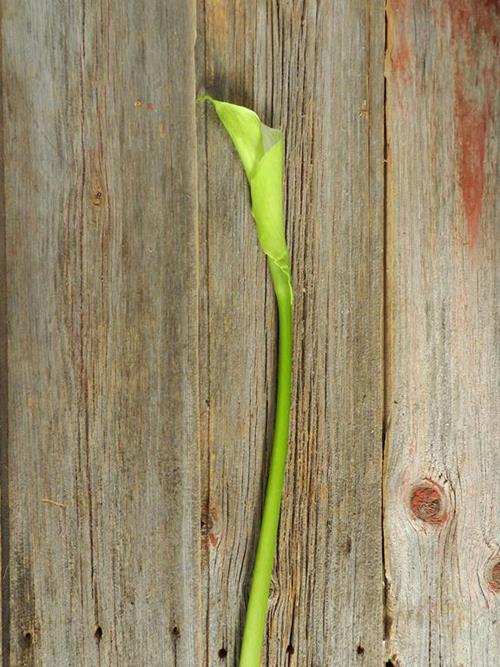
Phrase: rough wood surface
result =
(101, 246)
(443, 398)
(138, 333)
(288, 61)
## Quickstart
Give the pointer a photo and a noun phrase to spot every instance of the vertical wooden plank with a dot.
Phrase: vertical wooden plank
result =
(100, 188)
(49, 571)
(316, 70)
(4, 458)
(235, 321)
(442, 492)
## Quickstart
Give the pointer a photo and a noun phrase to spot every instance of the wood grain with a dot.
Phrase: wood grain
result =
(288, 61)
(4, 452)
(442, 491)
(138, 333)
(102, 306)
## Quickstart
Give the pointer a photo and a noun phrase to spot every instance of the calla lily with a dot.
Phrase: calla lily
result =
(261, 151)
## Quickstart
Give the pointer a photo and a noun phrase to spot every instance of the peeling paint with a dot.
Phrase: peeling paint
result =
(400, 58)
(471, 130)
(474, 16)
(474, 26)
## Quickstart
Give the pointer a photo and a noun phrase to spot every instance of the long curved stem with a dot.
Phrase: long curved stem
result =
(255, 621)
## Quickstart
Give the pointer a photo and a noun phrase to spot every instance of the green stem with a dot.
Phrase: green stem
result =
(255, 621)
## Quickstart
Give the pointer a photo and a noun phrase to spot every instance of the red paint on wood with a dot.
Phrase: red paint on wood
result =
(400, 52)
(474, 16)
(474, 27)
(400, 58)
(471, 130)
(399, 6)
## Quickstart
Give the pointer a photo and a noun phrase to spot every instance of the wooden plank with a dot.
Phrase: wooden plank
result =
(4, 457)
(442, 491)
(101, 242)
(316, 70)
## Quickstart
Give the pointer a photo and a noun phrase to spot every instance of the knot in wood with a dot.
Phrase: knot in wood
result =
(494, 576)
(428, 503)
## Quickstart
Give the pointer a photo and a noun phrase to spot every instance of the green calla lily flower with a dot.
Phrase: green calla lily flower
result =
(261, 151)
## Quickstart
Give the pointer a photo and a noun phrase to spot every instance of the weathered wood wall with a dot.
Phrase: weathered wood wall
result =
(138, 333)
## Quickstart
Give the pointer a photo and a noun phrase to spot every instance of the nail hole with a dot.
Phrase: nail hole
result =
(98, 633)
(290, 650)
(206, 523)
(360, 649)
(222, 653)
(97, 198)
(176, 632)
(28, 638)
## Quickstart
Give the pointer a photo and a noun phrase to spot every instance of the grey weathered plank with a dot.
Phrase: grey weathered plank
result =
(101, 243)
(4, 459)
(442, 491)
(316, 70)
